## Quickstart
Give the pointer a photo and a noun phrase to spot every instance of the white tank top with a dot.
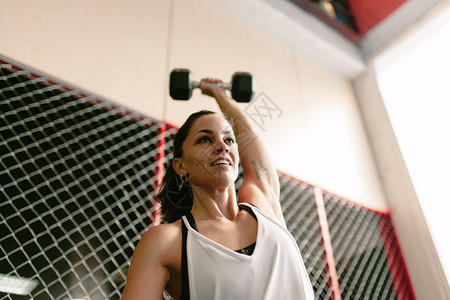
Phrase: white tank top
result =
(275, 270)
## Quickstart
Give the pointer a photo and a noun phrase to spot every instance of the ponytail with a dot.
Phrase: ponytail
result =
(176, 198)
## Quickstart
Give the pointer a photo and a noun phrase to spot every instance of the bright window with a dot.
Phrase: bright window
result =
(414, 79)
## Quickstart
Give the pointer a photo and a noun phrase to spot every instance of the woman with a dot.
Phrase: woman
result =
(216, 244)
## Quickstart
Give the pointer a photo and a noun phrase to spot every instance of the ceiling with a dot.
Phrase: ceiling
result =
(352, 18)
(306, 27)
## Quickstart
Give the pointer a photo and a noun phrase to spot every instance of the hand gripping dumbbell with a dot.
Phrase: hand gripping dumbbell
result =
(182, 84)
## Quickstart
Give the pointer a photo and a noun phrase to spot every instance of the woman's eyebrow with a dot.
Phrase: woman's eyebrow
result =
(209, 131)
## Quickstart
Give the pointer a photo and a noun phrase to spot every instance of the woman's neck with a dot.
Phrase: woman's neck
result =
(218, 203)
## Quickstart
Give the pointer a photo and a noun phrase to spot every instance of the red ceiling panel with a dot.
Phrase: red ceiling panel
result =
(368, 13)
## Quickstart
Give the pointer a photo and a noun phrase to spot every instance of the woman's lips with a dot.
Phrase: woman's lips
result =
(221, 161)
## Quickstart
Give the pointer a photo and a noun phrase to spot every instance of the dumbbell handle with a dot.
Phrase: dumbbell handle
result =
(227, 86)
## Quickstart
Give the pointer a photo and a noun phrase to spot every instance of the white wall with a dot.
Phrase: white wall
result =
(124, 51)
(107, 47)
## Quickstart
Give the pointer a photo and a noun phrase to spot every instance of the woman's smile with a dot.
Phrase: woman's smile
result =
(221, 162)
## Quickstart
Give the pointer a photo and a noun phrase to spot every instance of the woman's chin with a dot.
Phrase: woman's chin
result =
(216, 178)
(223, 183)
(219, 183)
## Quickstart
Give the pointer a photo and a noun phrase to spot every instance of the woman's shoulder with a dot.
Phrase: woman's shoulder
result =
(159, 240)
(162, 234)
(159, 250)
(163, 242)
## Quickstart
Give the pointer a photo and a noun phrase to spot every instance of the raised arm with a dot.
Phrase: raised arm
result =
(260, 185)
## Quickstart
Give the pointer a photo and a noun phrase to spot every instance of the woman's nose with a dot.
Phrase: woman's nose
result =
(222, 147)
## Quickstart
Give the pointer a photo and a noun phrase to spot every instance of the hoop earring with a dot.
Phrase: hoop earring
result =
(182, 182)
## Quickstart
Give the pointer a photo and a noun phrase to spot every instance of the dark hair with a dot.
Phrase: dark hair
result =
(176, 202)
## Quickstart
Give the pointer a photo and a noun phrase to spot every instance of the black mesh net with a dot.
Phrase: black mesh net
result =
(78, 176)
(368, 261)
(77, 179)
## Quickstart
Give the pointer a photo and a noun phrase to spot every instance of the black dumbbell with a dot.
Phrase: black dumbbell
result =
(182, 84)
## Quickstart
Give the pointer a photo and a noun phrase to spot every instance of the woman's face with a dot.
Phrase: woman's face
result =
(210, 153)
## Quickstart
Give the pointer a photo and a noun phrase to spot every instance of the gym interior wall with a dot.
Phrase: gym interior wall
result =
(124, 52)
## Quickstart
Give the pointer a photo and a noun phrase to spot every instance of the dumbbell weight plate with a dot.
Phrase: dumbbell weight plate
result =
(180, 84)
(242, 87)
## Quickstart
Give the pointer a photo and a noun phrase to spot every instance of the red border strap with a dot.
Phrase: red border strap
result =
(394, 258)
(327, 243)
(160, 172)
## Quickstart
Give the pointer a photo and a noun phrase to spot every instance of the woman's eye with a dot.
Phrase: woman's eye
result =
(229, 140)
(204, 139)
